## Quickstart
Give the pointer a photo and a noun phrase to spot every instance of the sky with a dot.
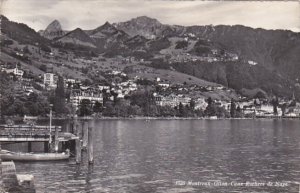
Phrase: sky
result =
(89, 14)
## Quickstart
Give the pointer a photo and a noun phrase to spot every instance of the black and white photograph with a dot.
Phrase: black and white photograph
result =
(149, 96)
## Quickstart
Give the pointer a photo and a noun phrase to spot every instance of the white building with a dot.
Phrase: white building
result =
(171, 100)
(103, 87)
(77, 97)
(17, 72)
(164, 85)
(267, 110)
(49, 80)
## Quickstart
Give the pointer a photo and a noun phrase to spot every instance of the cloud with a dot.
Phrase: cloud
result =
(90, 14)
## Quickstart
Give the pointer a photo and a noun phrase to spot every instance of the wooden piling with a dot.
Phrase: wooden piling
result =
(71, 126)
(29, 147)
(85, 130)
(46, 147)
(77, 143)
(1, 184)
(64, 146)
(9, 176)
(68, 127)
(78, 151)
(90, 145)
(0, 170)
(56, 142)
(74, 126)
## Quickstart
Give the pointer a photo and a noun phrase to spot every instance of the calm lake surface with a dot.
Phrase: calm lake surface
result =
(165, 156)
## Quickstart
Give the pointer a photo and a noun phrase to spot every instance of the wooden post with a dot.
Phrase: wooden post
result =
(78, 151)
(75, 125)
(64, 146)
(71, 125)
(29, 147)
(56, 142)
(46, 146)
(90, 145)
(85, 130)
(68, 127)
(0, 170)
(77, 144)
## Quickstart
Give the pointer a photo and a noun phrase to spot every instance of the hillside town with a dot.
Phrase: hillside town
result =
(131, 97)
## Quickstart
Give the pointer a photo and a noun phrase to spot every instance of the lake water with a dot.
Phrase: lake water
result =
(173, 156)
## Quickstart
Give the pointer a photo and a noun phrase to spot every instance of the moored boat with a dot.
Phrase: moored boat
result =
(18, 156)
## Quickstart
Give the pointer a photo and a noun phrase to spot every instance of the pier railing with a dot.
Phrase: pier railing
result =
(26, 132)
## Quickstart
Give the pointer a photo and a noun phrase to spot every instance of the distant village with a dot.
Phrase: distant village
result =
(145, 97)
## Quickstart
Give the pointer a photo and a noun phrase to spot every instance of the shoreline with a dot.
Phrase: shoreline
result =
(21, 119)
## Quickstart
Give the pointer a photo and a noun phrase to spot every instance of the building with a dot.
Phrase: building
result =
(266, 110)
(103, 87)
(17, 72)
(171, 100)
(90, 94)
(50, 80)
(72, 83)
(164, 85)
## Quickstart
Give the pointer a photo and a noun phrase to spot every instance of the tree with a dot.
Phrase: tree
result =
(181, 44)
(43, 68)
(134, 110)
(210, 110)
(109, 110)
(283, 108)
(293, 103)
(239, 112)
(97, 108)
(59, 99)
(45, 48)
(192, 104)
(85, 108)
(181, 109)
(238, 109)
(232, 109)
(26, 50)
(275, 104)
(209, 101)
(166, 111)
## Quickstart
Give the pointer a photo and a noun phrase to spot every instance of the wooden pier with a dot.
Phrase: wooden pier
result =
(85, 133)
(24, 133)
(77, 136)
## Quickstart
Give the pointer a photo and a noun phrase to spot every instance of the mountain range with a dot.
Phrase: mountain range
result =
(237, 56)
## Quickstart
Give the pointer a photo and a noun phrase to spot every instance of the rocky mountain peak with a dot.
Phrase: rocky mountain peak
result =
(54, 26)
(53, 30)
(107, 27)
(3, 18)
(143, 25)
(146, 20)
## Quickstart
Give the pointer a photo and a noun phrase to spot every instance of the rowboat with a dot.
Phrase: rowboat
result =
(18, 156)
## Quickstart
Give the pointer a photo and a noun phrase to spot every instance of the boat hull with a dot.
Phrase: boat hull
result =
(33, 156)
